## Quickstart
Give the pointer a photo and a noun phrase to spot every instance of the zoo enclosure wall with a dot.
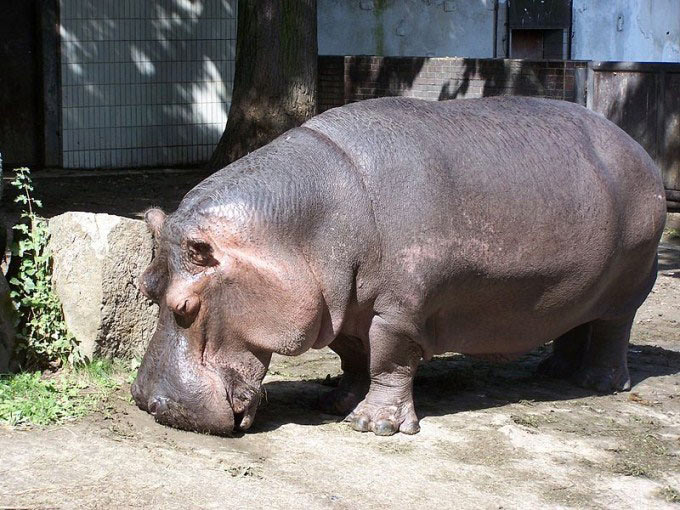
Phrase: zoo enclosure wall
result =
(641, 98)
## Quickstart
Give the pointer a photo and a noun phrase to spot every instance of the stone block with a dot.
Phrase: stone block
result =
(97, 261)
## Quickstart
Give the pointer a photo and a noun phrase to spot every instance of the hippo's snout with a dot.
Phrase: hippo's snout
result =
(218, 420)
(188, 397)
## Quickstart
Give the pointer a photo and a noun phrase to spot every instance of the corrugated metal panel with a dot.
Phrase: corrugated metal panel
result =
(145, 83)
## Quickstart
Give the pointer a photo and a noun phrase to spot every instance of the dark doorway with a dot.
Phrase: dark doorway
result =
(539, 44)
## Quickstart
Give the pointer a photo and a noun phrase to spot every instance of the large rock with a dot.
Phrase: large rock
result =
(7, 314)
(7, 332)
(97, 260)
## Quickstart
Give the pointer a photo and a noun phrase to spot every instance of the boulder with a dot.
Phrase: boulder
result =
(7, 315)
(7, 332)
(97, 261)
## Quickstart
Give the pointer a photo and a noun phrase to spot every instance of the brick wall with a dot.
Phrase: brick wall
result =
(353, 78)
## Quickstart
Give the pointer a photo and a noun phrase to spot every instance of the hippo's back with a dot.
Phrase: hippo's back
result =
(524, 207)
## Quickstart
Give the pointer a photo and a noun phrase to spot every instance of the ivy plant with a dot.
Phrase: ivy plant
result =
(42, 337)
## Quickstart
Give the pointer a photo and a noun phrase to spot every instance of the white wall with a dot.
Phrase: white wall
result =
(426, 28)
(635, 30)
(145, 83)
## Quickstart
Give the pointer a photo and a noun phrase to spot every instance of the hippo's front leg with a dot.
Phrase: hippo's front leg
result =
(388, 406)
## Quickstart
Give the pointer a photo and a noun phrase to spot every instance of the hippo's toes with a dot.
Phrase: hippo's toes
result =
(384, 420)
(603, 379)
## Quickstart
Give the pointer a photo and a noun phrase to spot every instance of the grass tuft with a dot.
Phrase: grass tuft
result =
(631, 468)
(34, 398)
(528, 420)
(670, 494)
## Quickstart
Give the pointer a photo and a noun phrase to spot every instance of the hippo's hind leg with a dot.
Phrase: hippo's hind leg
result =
(354, 381)
(605, 361)
(568, 353)
(593, 355)
(388, 407)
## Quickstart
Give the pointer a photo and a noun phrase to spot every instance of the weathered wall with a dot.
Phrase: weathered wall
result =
(643, 100)
(640, 30)
(426, 28)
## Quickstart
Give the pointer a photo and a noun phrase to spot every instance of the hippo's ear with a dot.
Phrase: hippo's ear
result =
(154, 220)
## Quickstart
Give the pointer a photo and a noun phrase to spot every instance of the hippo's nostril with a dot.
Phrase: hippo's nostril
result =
(158, 405)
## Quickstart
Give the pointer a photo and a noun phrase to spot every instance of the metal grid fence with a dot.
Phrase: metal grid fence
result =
(145, 83)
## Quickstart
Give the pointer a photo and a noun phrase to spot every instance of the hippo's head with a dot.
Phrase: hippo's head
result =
(226, 303)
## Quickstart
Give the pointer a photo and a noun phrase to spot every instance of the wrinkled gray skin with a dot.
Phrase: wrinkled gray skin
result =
(395, 229)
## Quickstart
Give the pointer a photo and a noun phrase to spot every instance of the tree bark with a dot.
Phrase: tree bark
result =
(275, 75)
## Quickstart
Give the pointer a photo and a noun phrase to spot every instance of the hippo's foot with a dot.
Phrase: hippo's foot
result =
(384, 420)
(557, 366)
(603, 379)
(568, 351)
(605, 367)
(346, 396)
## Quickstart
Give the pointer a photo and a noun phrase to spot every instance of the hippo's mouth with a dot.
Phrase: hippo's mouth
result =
(243, 398)
(176, 415)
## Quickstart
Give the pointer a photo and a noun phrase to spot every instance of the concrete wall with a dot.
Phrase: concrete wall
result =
(145, 83)
(639, 30)
(425, 28)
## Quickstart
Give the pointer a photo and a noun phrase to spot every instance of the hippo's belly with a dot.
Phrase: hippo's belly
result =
(506, 318)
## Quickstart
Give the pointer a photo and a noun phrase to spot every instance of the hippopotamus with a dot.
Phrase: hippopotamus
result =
(392, 230)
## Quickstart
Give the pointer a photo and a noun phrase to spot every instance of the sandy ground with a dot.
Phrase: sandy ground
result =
(493, 436)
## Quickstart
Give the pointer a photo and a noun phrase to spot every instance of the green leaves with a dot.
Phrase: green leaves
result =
(41, 332)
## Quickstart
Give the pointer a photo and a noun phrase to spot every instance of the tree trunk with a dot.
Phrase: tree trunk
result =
(275, 75)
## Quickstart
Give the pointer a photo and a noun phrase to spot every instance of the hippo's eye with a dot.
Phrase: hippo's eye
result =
(201, 253)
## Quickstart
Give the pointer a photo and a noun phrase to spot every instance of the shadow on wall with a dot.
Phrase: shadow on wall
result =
(497, 77)
(449, 78)
(145, 83)
(382, 76)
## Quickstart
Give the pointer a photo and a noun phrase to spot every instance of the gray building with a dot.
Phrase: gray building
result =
(621, 30)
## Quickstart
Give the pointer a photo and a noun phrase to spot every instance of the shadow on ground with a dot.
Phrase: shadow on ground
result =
(123, 193)
(454, 384)
(669, 258)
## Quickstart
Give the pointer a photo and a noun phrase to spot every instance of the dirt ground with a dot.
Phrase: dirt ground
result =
(493, 436)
